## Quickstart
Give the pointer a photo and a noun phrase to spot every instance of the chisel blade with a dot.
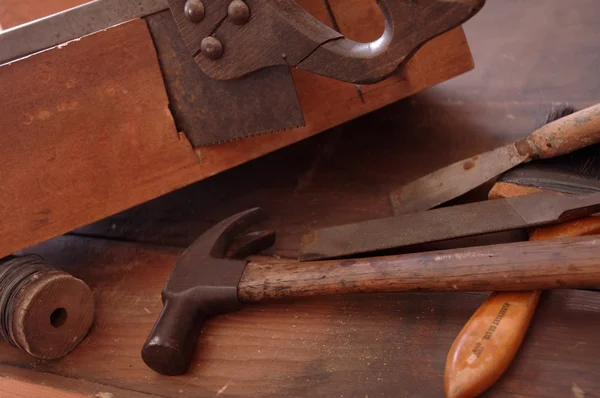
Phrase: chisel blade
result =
(454, 180)
(446, 223)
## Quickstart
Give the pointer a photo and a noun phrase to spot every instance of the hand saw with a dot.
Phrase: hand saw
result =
(226, 63)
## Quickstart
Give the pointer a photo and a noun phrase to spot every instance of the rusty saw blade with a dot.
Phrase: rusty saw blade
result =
(206, 110)
(446, 223)
(212, 111)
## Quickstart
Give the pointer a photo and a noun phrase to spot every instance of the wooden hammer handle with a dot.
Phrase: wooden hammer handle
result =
(562, 263)
(578, 130)
(489, 341)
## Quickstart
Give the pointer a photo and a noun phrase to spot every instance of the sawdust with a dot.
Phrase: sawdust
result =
(222, 389)
(577, 391)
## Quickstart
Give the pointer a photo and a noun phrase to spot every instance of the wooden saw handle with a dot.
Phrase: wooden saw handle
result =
(489, 341)
(408, 25)
(281, 32)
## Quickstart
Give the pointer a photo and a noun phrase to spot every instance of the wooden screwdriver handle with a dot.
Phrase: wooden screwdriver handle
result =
(487, 344)
(578, 130)
(562, 263)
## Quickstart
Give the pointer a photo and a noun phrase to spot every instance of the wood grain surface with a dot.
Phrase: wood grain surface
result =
(87, 101)
(86, 130)
(27, 383)
(375, 345)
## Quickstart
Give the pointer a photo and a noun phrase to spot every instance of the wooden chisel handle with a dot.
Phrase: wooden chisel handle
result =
(487, 344)
(565, 135)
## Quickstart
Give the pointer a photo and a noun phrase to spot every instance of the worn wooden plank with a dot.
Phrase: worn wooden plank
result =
(390, 345)
(88, 133)
(85, 132)
(26, 383)
(21, 389)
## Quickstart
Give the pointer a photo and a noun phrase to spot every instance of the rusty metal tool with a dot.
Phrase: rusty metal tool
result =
(226, 63)
(444, 224)
(204, 283)
(562, 136)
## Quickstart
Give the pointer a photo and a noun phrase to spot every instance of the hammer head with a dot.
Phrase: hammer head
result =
(204, 262)
(203, 283)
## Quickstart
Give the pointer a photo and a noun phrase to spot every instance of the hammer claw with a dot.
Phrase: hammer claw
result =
(251, 243)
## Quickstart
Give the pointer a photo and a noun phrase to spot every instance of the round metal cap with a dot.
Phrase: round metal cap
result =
(211, 47)
(194, 10)
(238, 12)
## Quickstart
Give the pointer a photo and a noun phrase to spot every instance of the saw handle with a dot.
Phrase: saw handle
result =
(408, 25)
(280, 32)
(570, 133)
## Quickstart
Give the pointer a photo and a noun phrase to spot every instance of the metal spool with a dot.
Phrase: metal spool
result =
(43, 311)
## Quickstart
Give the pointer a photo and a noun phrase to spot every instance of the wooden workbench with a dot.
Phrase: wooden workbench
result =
(358, 346)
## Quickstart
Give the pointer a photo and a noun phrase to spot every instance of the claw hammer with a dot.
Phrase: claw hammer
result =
(205, 283)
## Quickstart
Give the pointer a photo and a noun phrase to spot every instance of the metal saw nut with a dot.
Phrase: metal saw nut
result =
(194, 10)
(238, 12)
(211, 47)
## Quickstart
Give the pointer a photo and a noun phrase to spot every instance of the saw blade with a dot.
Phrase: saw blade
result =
(210, 111)
(446, 223)
(72, 24)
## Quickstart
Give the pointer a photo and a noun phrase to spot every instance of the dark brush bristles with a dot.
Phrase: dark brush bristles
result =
(585, 162)
(558, 111)
(577, 172)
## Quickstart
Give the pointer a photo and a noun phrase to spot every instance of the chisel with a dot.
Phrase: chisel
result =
(565, 135)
